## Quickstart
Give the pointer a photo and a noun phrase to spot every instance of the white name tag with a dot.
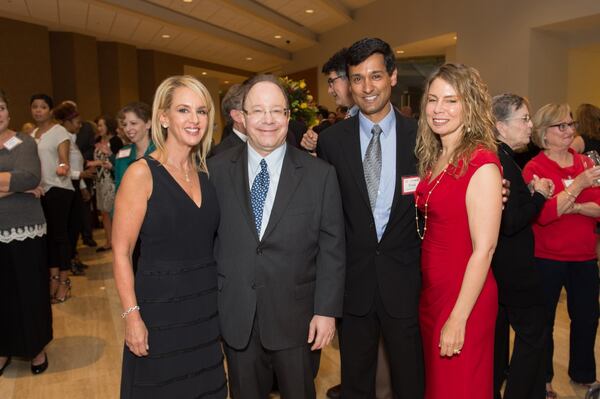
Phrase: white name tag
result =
(409, 184)
(124, 153)
(12, 143)
(567, 182)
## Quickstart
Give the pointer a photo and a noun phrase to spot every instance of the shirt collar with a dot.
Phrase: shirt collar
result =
(241, 135)
(386, 124)
(273, 159)
(353, 110)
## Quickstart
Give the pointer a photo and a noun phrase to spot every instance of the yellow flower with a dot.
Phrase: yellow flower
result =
(303, 105)
(302, 84)
(309, 98)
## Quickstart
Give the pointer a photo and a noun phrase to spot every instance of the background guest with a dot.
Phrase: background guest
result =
(565, 238)
(24, 296)
(520, 297)
(106, 147)
(53, 149)
(588, 129)
(231, 107)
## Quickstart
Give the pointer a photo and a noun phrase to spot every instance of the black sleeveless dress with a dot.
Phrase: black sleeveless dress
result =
(176, 289)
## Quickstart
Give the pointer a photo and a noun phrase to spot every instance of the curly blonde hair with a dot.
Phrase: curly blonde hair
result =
(163, 99)
(478, 122)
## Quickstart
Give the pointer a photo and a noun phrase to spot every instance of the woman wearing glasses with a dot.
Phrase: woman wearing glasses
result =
(565, 238)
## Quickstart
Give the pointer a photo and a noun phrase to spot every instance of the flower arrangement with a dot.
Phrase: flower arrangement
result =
(302, 105)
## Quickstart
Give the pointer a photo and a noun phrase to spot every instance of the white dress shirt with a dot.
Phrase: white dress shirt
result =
(274, 163)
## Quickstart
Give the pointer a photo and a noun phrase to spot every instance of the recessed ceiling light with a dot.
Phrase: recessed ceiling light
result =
(400, 51)
(166, 36)
(309, 11)
(277, 36)
(455, 38)
(226, 82)
(187, 1)
(248, 58)
(204, 73)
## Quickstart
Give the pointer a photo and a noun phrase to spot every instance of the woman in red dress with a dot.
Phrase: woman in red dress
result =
(460, 201)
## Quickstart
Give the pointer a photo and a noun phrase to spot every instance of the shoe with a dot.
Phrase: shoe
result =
(54, 284)
(76, 270)
(583, 384)
(40, 368)
(335, 392)
(103, 249)
(66, 295)
(5, 365)
(90, 242)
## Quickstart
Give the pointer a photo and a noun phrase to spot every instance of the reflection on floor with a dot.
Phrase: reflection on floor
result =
(85, 356)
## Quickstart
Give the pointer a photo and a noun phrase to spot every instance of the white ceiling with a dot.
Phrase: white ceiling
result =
(226, 32)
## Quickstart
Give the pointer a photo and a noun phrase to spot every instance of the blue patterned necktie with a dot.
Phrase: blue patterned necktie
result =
(258, 194)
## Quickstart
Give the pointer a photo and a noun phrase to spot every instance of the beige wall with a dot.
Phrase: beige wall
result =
(118, 75)
(584, 76)
(497, 37)
(24, 66)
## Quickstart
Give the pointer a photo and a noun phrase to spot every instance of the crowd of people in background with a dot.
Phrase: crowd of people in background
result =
(397, 234)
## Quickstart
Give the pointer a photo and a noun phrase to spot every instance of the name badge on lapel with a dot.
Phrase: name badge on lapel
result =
(12, 143)
(409, 184)
(124, 153)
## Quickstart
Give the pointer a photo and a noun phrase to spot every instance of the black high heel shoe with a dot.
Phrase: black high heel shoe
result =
(40, 368)
(8, 359)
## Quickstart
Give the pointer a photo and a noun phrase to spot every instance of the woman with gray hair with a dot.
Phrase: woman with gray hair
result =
(24, 291)
(521, 303)
(565, 238)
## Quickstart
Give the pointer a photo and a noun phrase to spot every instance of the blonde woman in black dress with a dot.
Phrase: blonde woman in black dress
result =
(170, 304)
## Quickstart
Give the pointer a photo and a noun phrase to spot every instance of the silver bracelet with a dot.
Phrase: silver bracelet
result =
(131, 309)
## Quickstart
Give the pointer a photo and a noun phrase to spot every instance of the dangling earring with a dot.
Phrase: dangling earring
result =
(165, 126)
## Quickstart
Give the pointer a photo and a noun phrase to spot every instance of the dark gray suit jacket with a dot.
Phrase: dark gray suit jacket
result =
(297, 270)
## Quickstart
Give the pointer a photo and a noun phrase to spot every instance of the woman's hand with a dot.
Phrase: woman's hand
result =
(587, 178)
(136, 335)
(452, 337)
(543, 186)
(37, 192)
(107, 165)
(62, 170)
(95, 163)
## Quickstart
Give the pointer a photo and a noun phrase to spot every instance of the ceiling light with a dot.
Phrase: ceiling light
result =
(187, 1)
(277, 36)
(248, 58)
(226, 82)
(309, 11)
(166, 36)
(204, 73)
(400, 51)
(455, 38)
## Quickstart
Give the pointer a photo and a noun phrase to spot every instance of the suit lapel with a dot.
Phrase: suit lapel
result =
(239, 177)
(404, 158)
(291, 175)
(351, 145)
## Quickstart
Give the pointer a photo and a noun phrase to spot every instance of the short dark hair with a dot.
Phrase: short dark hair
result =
(44, 97)
(248, 85)
(232, 100)
(364, 48)
(337, 63)
(503, 105)
(140, 109)
(110, 122)
(64, 112)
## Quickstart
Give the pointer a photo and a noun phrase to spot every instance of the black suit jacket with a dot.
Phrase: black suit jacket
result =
(86, 140)
(232, 140)
(297, 269)
(513, 264)
(391, 266)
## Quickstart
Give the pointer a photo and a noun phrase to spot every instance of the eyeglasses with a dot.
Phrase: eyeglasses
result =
(563, 126)
(331, 81)
(524, 118)
(259, 114)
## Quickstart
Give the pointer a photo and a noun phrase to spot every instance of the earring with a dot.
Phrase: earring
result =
(468, 130)
(165, 126)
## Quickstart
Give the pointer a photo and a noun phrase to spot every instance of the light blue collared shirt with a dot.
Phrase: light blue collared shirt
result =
(274, 163)
(387, 181)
